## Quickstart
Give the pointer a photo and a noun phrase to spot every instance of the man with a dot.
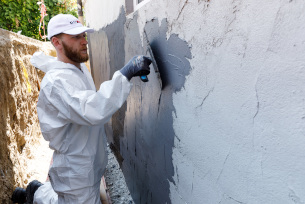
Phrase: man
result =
(72, 115)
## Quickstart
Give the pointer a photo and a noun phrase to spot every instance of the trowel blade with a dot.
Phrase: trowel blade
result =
(154, 63)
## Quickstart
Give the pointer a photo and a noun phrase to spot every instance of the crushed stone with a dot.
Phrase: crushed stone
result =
(115, 181)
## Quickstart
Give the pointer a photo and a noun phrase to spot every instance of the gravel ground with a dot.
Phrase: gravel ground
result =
(115, 182)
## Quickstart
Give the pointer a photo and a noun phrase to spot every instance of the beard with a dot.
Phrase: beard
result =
(74, 55)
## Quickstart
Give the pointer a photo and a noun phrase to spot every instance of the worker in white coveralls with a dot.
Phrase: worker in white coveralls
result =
(72, 115)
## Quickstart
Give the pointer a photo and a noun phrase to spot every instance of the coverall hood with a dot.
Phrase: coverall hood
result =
(46, 63)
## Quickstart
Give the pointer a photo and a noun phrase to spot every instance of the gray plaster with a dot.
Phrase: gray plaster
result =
(141, 132)
(149, 138)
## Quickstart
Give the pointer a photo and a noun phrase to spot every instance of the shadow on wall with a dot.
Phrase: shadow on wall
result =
(141, 132)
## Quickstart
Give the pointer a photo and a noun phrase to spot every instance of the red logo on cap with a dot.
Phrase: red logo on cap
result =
(77, 21)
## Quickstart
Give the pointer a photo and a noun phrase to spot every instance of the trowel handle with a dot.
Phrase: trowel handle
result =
(144, 78)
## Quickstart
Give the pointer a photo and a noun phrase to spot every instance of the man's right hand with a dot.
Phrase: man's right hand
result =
(137, 66)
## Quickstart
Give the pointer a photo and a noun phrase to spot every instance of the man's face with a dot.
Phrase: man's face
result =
(75, 47)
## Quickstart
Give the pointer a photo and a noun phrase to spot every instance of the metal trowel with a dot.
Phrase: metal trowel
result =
(154, 63)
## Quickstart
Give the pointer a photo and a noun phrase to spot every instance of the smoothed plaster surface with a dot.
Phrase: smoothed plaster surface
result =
(238, 119)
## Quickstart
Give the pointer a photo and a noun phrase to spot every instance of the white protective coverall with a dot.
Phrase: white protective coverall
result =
(72, 115)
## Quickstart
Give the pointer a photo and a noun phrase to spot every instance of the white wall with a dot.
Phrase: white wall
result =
(101, 13)
(239, 120)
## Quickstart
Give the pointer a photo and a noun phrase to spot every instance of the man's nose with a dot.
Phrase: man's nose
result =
(84, 41)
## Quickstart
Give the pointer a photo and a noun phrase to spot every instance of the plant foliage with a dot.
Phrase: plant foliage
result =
(24, 15)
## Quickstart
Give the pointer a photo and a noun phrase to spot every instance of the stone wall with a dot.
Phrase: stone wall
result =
(20, 133)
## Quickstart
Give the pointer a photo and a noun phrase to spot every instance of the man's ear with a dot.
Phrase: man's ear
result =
(56, 42)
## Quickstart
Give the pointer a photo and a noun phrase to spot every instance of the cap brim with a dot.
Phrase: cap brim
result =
(78, 30)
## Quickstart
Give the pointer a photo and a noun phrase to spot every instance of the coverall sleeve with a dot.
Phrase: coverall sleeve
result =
(86, 107)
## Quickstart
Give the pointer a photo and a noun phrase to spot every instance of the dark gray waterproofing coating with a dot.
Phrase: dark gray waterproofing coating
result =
(141, 132)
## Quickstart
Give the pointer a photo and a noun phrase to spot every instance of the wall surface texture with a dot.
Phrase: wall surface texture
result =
(228, 124)
(20, 135)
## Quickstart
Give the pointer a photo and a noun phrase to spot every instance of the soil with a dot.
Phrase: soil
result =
(19, 127)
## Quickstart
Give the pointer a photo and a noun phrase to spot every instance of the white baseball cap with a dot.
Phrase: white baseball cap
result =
(66, 23)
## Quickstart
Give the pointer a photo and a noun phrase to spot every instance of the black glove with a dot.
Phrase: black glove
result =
(137, 66)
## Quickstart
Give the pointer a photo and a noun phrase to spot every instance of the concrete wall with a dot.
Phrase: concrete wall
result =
(228, 125)
(21, 157)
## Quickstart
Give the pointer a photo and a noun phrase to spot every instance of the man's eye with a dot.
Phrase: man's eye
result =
(80, 36)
